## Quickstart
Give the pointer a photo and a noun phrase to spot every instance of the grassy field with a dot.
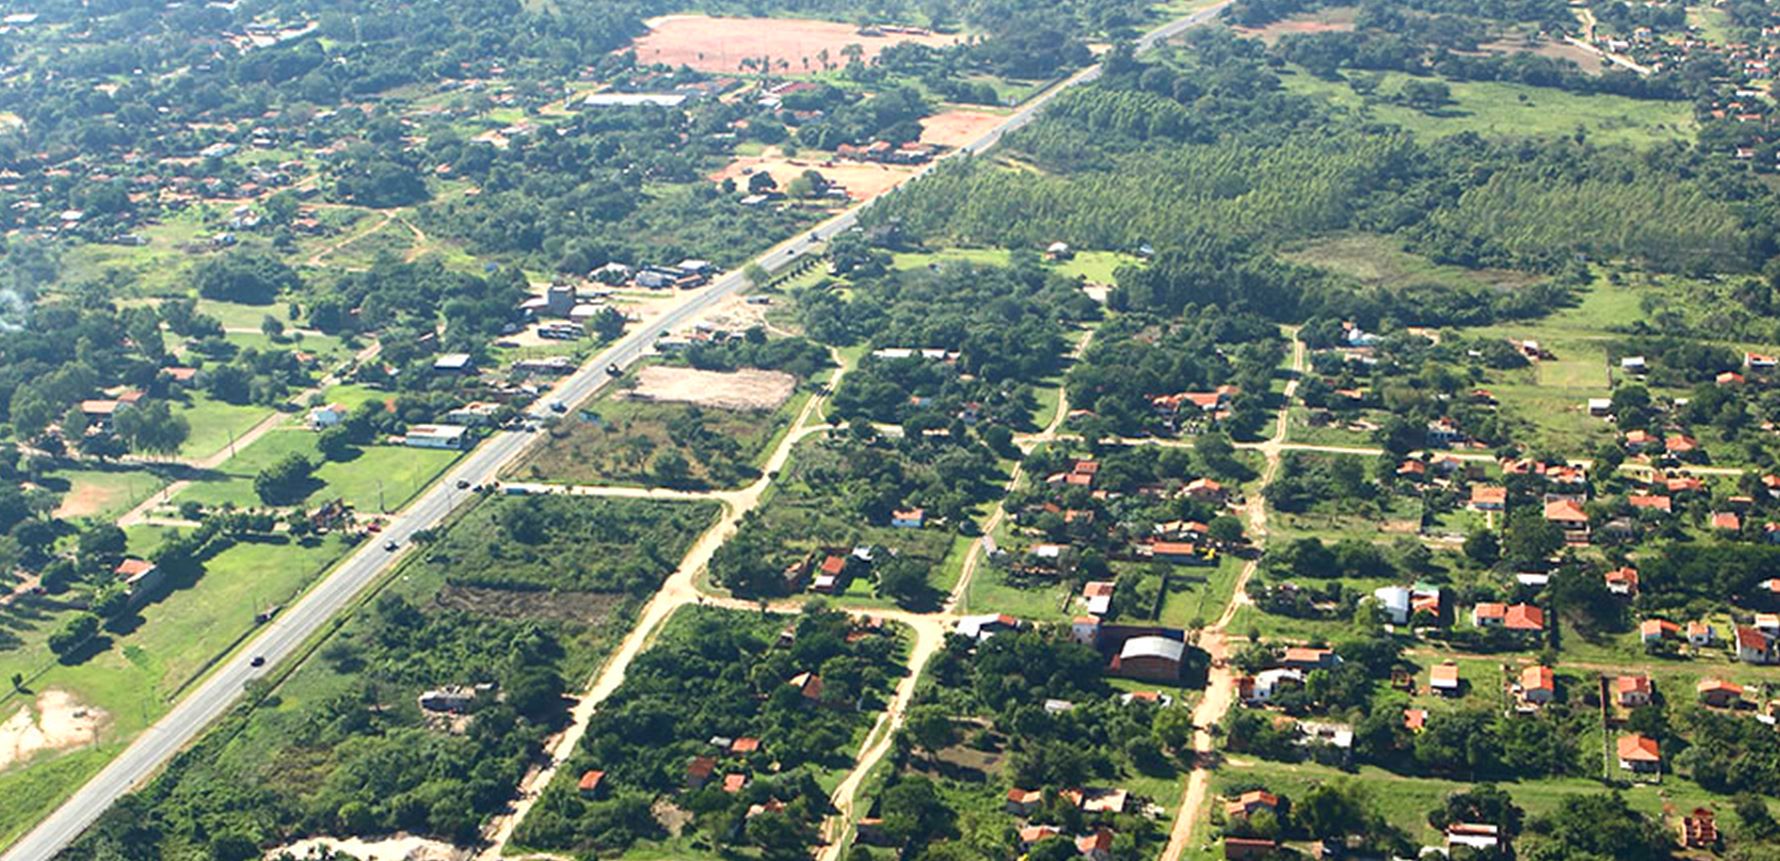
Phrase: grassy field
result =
(259, 750)
(154, 269)
(1380, 261)
(379, 478)
(1511, 110)
(215, 423)
(1551, 396)
(138, 673)
(1196, 596)
(103, 494)
(1405, 801)
(236, 315)
(1096, 266)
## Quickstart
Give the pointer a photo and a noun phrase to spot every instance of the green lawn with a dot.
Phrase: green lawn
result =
(1511, 110)
(237, 315)
(1199, 595)
(138, 674)
(215, 423)
(103, 494)
(379, 478)
(1096, 266)
(1405, 801)
(1380, 261)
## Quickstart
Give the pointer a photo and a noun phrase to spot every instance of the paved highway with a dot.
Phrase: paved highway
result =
(290, 629)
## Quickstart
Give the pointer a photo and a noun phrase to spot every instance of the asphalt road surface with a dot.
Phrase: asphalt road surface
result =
(291, 628)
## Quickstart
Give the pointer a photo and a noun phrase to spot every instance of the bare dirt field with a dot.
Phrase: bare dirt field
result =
(54, 722)
(400, 847)
(720, 44)
(1552, 48)
(85, 499)
(1339, 19)
(861, 180)
(958, 127)
(734, 314)
(747, 389)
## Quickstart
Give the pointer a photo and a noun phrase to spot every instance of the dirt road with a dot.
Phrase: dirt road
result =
(1220, 689)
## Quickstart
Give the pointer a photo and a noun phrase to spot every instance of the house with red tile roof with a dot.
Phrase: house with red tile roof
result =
(1754, 646)
(591, 783)
(1488, 498)
(1538, 684)
(1632, 691)
(1719, 693)
(1622, 581)
(1657, 630)
(1245, 805)
(1517, 617)
(1021, 802)
(1639, 753)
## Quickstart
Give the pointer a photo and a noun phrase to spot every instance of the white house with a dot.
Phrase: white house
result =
(436, 436)
(1268, 682)
(323, 417)
(1395, 602)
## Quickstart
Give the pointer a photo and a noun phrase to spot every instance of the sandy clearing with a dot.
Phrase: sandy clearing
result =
(720, 44)
(59, 723)
(1272, 32)
(746, 389)
(85, 499)
(957, 127)
(860, 180)
(400, 847)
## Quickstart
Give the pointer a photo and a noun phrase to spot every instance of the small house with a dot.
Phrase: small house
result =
(1639, 753)
(1719, 693)
(323, 417)
(1249, 849)
(1701, 634)
(1307, 659)
(1488, 498)
(1632, 691)
(454, 363)
(1653, 631)
(1098, 596)
(1538, 685)
(908, 518)
(592, 784)
(1474, 835)
(1248, 803)
(1622, 581)
(141, 579)
(1754, 647)
(1443, 678)
(451, 437)
(699, 771)
(1022, 802)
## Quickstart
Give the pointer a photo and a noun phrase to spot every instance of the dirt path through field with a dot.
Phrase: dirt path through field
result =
(678, 590)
